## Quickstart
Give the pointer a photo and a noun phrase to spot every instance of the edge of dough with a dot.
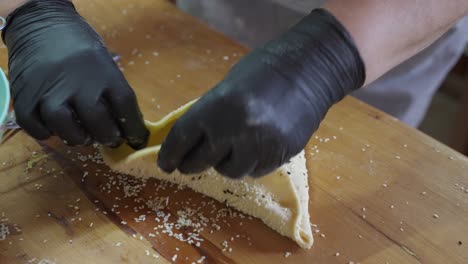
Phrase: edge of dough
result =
(279, 199)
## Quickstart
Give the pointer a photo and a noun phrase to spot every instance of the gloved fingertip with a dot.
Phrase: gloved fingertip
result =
(140, 142)
(165, 166)
(137, 143)
(116, 143)
(186, 170)
(88, 141)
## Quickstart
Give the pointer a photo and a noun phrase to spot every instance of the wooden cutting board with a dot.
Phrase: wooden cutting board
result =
(380, 192)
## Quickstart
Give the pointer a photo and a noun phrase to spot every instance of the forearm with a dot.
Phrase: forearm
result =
(8, 6)
(388, 32)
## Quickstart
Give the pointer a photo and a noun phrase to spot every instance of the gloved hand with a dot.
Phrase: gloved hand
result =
(63, 80)
(266, 109)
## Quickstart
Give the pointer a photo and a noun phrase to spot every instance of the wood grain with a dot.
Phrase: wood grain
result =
(380, 192)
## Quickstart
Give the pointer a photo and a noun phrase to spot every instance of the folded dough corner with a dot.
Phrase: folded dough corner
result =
(279, 199)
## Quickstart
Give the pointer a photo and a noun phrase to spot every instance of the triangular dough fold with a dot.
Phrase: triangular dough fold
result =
(279, 199)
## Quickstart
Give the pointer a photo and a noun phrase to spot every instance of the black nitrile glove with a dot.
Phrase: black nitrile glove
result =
(63, 80)
(266, 109)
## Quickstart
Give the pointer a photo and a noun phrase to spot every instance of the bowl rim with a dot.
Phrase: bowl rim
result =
(6, 94)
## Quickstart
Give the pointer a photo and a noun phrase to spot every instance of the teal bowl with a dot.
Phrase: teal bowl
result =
(4, 101)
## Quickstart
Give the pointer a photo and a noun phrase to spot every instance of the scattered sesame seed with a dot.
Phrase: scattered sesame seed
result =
(436, 216)
(287, 254)
(337, 254)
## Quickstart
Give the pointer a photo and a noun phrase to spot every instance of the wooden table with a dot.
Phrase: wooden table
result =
(380, 192)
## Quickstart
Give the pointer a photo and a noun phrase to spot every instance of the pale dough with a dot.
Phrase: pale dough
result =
(279, 199)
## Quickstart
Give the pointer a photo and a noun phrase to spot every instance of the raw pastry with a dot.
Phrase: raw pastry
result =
(279, 199)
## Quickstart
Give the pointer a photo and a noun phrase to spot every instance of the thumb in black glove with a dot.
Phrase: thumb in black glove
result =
(266, 109)
(64, 82)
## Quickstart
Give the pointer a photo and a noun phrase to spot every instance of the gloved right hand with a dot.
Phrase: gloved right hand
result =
(267, 107)
(63, 80)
